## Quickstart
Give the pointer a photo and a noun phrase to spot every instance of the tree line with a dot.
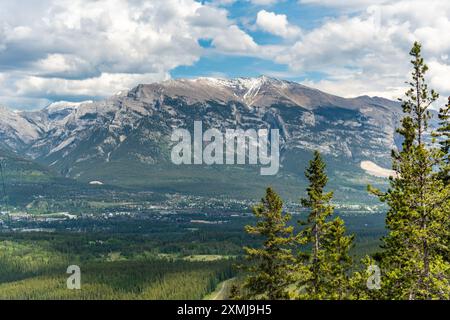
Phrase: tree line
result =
(145, 279)
(414, 261)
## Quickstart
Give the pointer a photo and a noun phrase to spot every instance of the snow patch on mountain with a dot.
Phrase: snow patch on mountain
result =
(375, 170)
(65, 105)
(137, 121)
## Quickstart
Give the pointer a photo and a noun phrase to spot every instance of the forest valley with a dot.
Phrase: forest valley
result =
(268, 254)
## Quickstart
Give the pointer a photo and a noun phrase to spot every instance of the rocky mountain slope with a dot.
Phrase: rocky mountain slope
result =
(125, 140)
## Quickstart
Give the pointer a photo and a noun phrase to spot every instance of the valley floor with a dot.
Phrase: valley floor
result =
(178, 256)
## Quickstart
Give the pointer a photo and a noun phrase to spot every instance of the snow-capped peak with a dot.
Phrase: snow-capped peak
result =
(64, 105)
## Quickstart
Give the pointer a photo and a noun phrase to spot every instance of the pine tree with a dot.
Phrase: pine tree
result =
(443, 132)
(272, 265)
(417, 219)
(329, 260)
(360, 281)
(337, 246)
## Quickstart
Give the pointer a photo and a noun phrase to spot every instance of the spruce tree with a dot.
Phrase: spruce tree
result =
(271, 268)
(364, 283)
(329, 260)
(337, 246)
(413, 264)
(443, 133)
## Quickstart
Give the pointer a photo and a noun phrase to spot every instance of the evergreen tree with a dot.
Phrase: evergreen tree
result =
(337, 246)
(364, 284)
(443, 132)
(329, 260)
(413, 264)
(271, 265)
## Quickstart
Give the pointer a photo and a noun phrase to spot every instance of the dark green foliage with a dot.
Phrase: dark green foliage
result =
(113, 266)
(323, 271)
(126, 280)
(337, 245)
(443, 132)
(413, 259)
(234, 292)
(271, 265)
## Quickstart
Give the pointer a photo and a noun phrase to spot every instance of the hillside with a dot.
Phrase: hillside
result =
(125, 140)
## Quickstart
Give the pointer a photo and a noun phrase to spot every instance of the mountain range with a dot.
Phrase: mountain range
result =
(124, 140)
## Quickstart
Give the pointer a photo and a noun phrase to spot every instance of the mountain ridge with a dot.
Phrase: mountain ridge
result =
(228, 81)
(117, 139)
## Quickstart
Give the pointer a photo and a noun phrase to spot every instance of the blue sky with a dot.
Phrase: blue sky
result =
(80, 49)
(306, 16)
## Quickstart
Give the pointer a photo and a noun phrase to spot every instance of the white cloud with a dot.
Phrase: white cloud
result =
(367, 53)
(254, 2)
(79, 47)
(276, 24)
(234, 40)
(104, 85)
(264, 2)
(347, 4)
(440, 76)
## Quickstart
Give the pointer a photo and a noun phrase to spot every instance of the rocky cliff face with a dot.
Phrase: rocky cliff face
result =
(115, 139)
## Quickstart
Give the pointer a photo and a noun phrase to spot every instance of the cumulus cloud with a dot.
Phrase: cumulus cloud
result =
(83, 47)
(347, 4)
(103, 85)
(276, 24)
(440, 75)
(234, 40)
(52, 49)
(367, 53)
(254, 2)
